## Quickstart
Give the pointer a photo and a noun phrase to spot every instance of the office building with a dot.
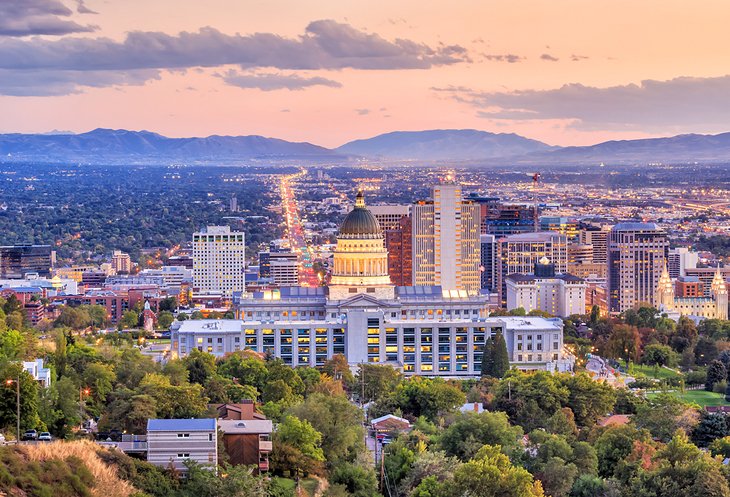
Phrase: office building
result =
(679, 260)
(121, 262)
(559, 295)
(705, 276)
(518, 254)
(503, 219)
(389, 215)
(446, 241)
(488, 266)
(172, 442)
(233, 207)
(565, 225)
(637, 255)
(284, 268)
(713, 307)
(597, 237)
(426, 330)
(399, 244)
(219, 257)
(17, 261)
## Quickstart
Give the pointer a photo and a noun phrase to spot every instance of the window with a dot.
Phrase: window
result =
(210, 437)
(183, 435)
(183, 455)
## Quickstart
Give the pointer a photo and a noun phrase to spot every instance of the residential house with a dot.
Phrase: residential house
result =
(172, 442)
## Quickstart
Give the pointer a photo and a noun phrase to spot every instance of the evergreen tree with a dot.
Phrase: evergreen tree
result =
(715, 374)
(495, 361)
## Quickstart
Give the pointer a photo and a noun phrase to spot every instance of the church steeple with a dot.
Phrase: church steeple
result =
(718, 285)
(665, 291)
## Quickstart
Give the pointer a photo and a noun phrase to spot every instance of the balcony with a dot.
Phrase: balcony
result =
(265, 446)
(263, 465)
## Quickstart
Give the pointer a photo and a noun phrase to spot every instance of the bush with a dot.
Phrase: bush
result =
(720, 387)
(695, 378)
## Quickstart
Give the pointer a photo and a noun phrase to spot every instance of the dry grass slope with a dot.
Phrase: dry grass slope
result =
(106, 481)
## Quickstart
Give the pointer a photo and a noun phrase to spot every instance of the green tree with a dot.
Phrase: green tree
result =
(495, 360)
(614, 445)
(470, 432)
(491, 473)
(705, 351)
(165, 319)
(588, 399)
(359, 481)
(716, 373)
(304, 446)
(664, 414)
(377, 380)
(200, 366)
(658, 355)
(130, 319)
(624, 343)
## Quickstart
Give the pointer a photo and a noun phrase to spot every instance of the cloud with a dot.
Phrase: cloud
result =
(677, 104)
(325, 45)
(274, 81)
(578, 58)
(511, 58)
(549, 58)
(81, 8)
(25, 83)
(39, 17)
(362, 112)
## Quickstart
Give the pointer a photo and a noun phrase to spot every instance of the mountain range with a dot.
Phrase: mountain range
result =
(449, 145)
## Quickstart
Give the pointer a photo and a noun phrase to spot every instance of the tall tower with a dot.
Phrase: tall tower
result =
(718, 290)
(360, 261)
(219, 260)
(665, 292)
(446, 248)
(637, 254)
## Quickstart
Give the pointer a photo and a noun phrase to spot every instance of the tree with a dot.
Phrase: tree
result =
(664, 414)
(716, 373)
(130, 319)
(614, 445)
(721, 447)
(624, 343)
(418, 396)
(306, 443)
(167, 304)
(588, 399)
(491, 473)
(338, 368)
(557, 477)
(705, 351)
(471, 431)
(588, 486)
(165, 319)
(657, 355)
(495, 360)
(530, 399)
(200, 366)
(377, 380)
(339, 422)
(685, 334)
(595, 315)
(357, 480)
(28, 397)
(711, 427)
(436, 467)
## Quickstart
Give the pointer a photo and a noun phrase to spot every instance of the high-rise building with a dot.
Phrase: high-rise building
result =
(597, 237)
(234, 204)
(389, 215)
(705, 275)
(284, 268)
(518, 254)
(679, 260)
(446, 241)
(637, 255)
(121, 262)
(399, 244)
(18, 260)
(502, 219)
(219, 260)
(489, 266)
(568, 226)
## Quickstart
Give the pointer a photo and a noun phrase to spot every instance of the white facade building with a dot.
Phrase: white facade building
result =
(39, 372)
(284, 268)
(171, 442)
(219, 260)
(561, 295)
(446, 245)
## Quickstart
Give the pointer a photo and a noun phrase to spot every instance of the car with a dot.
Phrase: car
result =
(45, 437)
(2, 439)
(30, 435)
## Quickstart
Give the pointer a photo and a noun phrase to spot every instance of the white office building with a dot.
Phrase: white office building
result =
(559, 295)
(219, 260)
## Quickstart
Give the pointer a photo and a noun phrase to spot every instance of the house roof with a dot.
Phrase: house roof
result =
(208, 424)
(245, 426)
(390, 421)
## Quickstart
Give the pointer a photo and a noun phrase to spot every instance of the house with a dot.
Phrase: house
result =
(171, 442)
(248, 441)
(475, 407)
(390, 424)
(40, 373)
(246, 434)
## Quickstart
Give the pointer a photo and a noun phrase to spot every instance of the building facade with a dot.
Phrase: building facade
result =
(559, 295)
(172, 442)
(713, 307)
(16, 261)
(121, 262)
(488, 266)
(637, 255)
(446, 247)
(399, 244)
(284, 268)
(219, 260)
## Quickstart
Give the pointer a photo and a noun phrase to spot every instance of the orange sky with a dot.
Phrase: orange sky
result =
(615, 43)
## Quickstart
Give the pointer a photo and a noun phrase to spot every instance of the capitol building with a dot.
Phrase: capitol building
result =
(423, 330)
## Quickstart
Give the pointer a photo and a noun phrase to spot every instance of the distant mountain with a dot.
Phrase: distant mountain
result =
(110, 145)
(443, 144)
(680, 148)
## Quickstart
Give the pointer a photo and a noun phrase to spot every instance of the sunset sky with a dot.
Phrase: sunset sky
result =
(329, 71)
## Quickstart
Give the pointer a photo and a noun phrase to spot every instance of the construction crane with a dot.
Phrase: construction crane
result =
(535, 184)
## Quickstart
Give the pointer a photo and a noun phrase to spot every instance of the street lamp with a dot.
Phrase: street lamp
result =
(9, 382)
(82, 392)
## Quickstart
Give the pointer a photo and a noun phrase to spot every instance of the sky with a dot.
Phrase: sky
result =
(566, 72)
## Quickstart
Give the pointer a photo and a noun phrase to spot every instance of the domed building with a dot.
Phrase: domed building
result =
(360, 260)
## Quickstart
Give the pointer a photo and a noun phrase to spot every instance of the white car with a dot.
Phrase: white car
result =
(2, 439)
(45, 437)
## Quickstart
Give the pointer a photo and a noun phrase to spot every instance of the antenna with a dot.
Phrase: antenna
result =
(535, 183)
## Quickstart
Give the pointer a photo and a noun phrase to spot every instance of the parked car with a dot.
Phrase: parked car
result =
(30, 435)
(2, 439)
(45, 437)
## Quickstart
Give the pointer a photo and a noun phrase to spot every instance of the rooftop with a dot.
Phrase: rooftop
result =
(245, 426)
(207, 424)
(636, 227)
(211, 325)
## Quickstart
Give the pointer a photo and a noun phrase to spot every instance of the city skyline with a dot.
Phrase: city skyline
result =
(567, 73)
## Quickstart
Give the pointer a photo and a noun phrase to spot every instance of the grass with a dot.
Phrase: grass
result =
(652, 372)
(309, 485)
(700, 397)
